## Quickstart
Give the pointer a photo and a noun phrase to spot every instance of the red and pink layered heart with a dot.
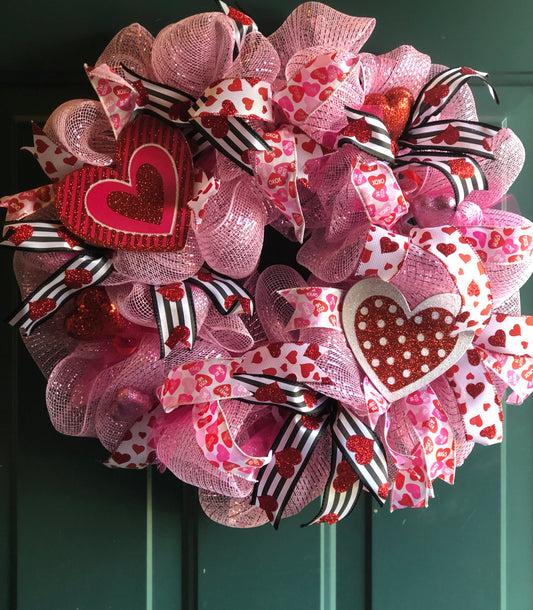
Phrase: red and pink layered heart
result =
(140, 205)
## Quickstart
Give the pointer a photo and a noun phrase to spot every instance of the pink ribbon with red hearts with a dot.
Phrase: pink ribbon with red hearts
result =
(311, 87)
(379, 191)
(282, 171)
(466, 270)
(432, 455)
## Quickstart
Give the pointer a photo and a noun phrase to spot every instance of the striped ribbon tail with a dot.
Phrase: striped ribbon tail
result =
(368, 133)
(469, 137)
(292, 451)
(198, 143)
(283, 393)
(363, 451)
(232, 136)
(464, 173)
(242, 25)
(441, 89)
(42, 236)
(227, 296)
(175, 315)
(166, 102)
(342, 490)
(77, 274)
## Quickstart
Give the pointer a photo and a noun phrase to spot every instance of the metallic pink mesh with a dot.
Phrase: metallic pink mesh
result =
(132, 46)
(82, 127)
(231, 235)
(194, 52)
(314, 25)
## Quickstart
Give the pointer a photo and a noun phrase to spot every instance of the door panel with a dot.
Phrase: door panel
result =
(74, 534)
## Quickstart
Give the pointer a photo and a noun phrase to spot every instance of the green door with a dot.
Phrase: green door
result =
(75, 535)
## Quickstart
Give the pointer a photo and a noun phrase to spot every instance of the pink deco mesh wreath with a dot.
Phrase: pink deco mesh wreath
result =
(138, 265)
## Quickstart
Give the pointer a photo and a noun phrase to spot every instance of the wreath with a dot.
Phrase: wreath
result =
(138, 265)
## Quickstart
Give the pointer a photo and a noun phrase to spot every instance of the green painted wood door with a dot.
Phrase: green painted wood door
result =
(74, 535)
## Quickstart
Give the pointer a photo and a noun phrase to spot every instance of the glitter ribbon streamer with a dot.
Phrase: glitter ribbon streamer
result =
(358, 458)
(88, 268)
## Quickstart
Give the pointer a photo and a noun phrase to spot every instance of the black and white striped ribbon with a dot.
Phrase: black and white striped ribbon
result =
(176, 106)
(226, 294)
(462, 187)
(162, 100)
(468, 137)
(337, 505)
(54, 292)
(242, 25)
(295, 435)
(379, 143)
(42, 236)
(451, 81)
(294, 391)
(173, 317)
(239, 137)
(176, 319)
(374, 473)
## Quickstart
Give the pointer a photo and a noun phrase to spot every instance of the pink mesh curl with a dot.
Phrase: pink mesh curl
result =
(194, 52)
(82, 127)
(132, 46)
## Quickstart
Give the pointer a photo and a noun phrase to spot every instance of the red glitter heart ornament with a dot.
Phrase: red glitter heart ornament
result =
(94, 316)
(395, 106)
(140, 205)
(401, 350)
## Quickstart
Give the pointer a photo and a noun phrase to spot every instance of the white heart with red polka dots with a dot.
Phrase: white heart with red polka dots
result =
(401, 350)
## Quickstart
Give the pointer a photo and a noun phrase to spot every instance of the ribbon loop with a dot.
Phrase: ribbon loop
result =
(434, 97)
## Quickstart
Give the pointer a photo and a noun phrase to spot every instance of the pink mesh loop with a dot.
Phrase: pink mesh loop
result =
(231, 235)
(160, 267)
(257, 59)
(333, 263)
(132, 46)
(401, 67)
(231, 512)
(273, 310)
(134, 302)
(69, 388)
(342, 207)
(82, 127)
(502, 171)
(229, 332)
(313, 24)
(193, 53)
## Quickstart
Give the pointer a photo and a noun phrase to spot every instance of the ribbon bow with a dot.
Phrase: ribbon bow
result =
(173, 303)
(217, 117)
(445, 145)
(279, 374)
